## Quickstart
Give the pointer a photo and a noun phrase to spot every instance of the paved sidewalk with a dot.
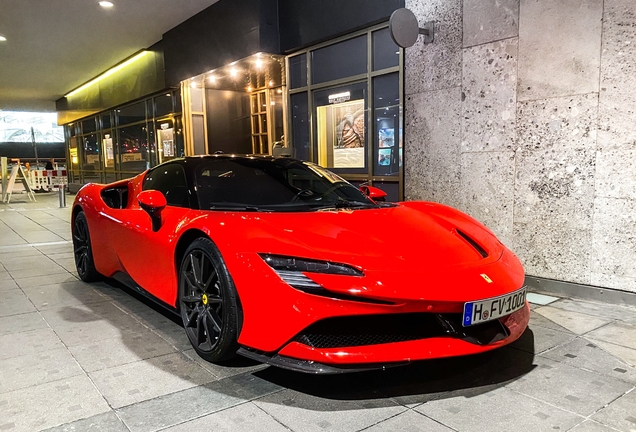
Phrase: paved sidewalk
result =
(80, 357)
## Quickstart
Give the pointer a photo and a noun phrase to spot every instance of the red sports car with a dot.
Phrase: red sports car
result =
(285, 262)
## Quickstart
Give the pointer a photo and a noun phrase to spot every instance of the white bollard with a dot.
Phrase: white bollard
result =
(62, 196)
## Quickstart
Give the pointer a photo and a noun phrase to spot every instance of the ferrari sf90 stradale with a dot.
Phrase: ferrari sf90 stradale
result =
(285, 262)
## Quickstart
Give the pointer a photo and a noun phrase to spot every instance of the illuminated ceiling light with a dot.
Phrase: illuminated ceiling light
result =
(279, 91)
(271, 83)
(106, 4)
(108, 72)
(233, 72)
(249, 88)
(259, 63)
(193, 84)
(2, 38)
(212, 79)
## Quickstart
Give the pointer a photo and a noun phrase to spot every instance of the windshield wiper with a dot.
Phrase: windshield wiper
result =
(346, 204)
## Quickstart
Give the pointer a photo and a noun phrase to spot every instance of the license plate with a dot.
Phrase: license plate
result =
(490, 309)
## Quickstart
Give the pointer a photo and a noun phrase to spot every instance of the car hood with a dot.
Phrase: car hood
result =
(407, 237)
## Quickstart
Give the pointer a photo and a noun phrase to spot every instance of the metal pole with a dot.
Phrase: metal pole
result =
(62, 196)
(35, 149)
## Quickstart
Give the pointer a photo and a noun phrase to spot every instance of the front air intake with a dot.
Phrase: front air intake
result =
(480, 250)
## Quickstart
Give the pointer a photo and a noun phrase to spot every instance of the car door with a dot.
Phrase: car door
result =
(147, 255)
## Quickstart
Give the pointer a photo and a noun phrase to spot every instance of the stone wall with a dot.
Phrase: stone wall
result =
(522, 113)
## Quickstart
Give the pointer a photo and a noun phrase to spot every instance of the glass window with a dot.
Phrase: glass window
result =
(132, 113)
(89, 126)
(177, 101)
(106, 124)
(341, 60)
(163, 105)
(108, 150)
(300, 125)
(133, 148)
(341, 126)
(298, 71)
(386, 53)
(275, 185)
(170, 180)
(386, 137)
(90, 152)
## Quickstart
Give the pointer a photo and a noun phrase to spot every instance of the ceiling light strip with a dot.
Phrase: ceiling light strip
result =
(108, 73)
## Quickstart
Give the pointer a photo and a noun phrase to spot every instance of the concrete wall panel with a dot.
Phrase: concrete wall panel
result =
(617, 110)
(490, 20)
(489, 96)
(432, 146)
(559, 47)
(438, 65)
(487, 180)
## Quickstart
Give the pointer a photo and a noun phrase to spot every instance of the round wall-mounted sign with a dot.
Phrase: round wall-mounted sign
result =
(404, 28)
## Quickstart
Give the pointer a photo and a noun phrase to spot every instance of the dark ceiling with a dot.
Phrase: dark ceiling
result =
(54, 46)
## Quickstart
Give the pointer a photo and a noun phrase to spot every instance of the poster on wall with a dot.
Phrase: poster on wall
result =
(168, 148)
(384, 156)
(107, 143)
(386, 137)
(348, 151)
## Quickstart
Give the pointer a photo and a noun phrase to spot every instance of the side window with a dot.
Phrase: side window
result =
(171, 181)
(116, 197)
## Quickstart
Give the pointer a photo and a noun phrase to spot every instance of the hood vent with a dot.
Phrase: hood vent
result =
(480, 250)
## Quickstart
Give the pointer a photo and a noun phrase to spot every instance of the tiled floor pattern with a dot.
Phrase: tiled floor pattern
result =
(79, 357)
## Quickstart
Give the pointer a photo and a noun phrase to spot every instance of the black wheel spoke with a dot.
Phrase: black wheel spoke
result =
(191, 299)
(201, 337)
(187, 276)
(214, 319)
(195, 264)
(214, 299)
(207, 283)
(192, 317)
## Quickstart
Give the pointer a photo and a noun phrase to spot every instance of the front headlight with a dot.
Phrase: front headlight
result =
(292, 264)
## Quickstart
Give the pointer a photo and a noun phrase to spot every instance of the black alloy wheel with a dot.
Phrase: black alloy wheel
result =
(208, 302)
(82, 250)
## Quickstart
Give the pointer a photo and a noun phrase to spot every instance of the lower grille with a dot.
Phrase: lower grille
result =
(381, 329)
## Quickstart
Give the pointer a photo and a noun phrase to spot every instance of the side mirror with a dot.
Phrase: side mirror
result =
(376, 194)
(153, 202)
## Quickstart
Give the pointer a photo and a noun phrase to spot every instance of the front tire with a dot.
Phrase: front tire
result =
(82, 250)
(208, 302)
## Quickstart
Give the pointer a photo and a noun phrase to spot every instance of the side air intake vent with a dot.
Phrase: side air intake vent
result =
(480, 250)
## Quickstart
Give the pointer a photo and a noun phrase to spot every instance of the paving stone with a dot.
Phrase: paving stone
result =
(148, 379)
(87, 324)
(38, 271)
(27, 263)
(36, 281)
(409, 421)
(300, 411)
(627, 355)
(243, 418)
(617, 333)
(591, 426)
(37, 368)
(106, 422)
(573, 321)
(15, 302)
(7, 284)
(28, 342)
(569, 388)
(237, 366)
(54, 296)
(597, 309)
(620, 414)
(51, 404)
(21, 323)
(129, 347)
(186, 405)
(544, 339)
(498, 410)
(584, 354)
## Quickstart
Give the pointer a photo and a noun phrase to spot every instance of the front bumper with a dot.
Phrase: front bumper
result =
(324, 359)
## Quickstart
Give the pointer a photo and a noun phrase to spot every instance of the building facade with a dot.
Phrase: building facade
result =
(517, 113)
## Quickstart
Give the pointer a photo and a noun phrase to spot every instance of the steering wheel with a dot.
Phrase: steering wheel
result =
(305, 192)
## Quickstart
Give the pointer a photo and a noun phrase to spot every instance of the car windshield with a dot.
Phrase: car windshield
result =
(259, 184)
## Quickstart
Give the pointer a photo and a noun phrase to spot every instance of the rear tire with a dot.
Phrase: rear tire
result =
(208, 302)
(83, 251)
